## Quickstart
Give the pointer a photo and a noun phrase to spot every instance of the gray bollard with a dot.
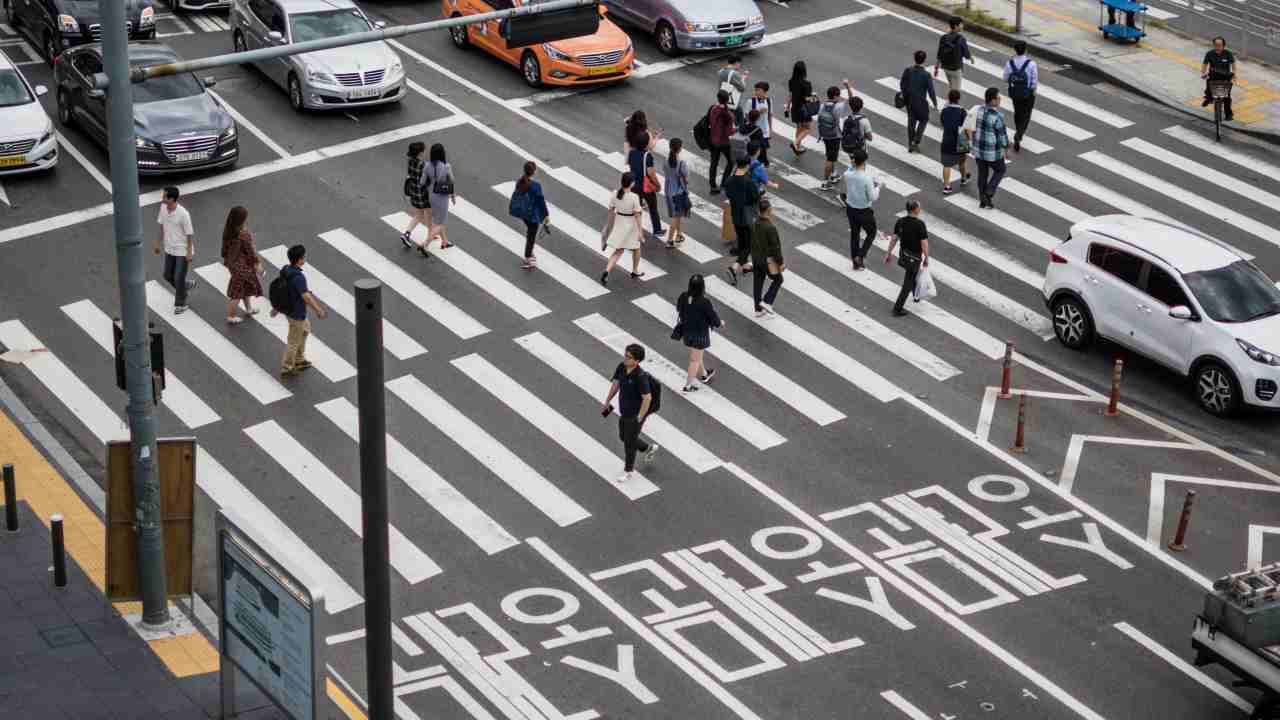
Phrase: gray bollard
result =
(10, 499)
(59, 551)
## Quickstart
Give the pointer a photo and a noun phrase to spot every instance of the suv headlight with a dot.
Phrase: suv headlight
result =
(555, 54)
(756, 20)
(700, 27)
(320, 77)
(148, 16)
(144, 144)
(1257, 354)
(227, 135)
(68, 24)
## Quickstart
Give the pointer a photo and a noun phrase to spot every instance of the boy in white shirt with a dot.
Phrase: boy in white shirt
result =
(177, 239)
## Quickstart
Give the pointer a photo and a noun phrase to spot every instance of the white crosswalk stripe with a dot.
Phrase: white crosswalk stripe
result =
(326, 361)
(502, 290)
(996, 257)
(752, 368)
(812, 143)
(671, 438)
(1203, 172)
(1041, 117)
(407, 286)
(465, 515)
(1047, 92)
(343, 303)
(562, 272)
(228, 358)
(933, 130)
(1098, 191)
(1007, 222)
(1226, 152)
(495, 456)
(185, 404)
(409, 562)
(731, 416)
(822, 352)
(589, 451)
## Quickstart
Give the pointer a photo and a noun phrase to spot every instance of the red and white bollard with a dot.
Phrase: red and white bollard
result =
(1113, 406)
(1006, 374)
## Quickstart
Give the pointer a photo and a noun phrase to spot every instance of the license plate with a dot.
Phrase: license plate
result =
(364, 93)
(191, 156)
(602, 70)
(13, 160)
(733, 40)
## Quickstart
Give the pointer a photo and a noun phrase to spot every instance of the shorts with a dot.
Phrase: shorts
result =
(952, 160)
(833, 149)
(955, 79)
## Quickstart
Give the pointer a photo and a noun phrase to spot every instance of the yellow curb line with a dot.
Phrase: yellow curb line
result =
(343, 702)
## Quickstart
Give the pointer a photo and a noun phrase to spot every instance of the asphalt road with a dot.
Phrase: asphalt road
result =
(836, 528)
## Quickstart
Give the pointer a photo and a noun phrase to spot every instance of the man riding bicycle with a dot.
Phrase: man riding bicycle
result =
(1219, 65)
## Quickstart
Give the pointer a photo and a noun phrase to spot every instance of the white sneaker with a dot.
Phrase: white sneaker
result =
(625, 476)
(651, 453)
(762, 313)
(768, 308)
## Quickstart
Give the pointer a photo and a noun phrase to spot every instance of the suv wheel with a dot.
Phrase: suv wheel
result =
(666, 37)
(1071, 323)
(295, 93)
(531, 69)
(1217, 390)
(65, 117)
(458, 34)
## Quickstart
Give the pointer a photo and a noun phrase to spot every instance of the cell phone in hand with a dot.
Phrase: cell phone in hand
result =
(546, 228)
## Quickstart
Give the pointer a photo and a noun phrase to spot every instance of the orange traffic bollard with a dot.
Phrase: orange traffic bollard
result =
(1113, 405)
(1020, 439)
(1006, 374)
(1178, 540)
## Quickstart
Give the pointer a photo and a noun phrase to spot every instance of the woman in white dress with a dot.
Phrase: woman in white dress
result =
(622, 230)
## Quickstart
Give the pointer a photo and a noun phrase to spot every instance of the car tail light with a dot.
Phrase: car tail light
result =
(1055, 257)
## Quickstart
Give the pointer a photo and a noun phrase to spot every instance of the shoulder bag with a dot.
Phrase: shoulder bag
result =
(648, 185)
(442, 185)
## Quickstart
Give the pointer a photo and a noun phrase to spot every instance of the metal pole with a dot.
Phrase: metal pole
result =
(373, 492)
(1017, 17)
(133, 313)
(59, 551)
(10, 499)
(1244, 30)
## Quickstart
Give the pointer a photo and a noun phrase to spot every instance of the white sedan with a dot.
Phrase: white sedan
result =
(27, 142)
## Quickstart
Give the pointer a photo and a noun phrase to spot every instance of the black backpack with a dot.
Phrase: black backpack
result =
(852, 138)
(280, 293)
(702, 132)
(949, 52)
(655, 394)
(1019, 80)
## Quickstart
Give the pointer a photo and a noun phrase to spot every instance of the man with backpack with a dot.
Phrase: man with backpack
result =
(831, 113)
(1022, 75)
(953, 50)
(762, 103)
(855, 133)
(639, 396)
(916, 91)
(289, 295)
(720, 126)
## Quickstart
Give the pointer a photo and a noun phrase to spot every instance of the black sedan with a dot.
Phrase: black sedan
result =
(177, 124)
(55, 25)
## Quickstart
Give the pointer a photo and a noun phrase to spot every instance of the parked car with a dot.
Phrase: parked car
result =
(27, 143)
(1179, 297)
(683, 25)
(177, 123)
(345, 77)
(606, 56)
(55, 25)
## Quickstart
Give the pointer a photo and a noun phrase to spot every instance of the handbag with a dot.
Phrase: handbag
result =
(811, 108)
(962, 143)
(648, 185)
(727, 233)
(909, 261)
(677, 330)
(899, 100)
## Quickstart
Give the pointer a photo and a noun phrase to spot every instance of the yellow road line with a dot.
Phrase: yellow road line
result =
(343, 702)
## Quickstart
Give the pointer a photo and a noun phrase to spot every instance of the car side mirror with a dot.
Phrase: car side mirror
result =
(276, 37)
(210, 81)
(1180, 312)
(41, 91)
(380, 24)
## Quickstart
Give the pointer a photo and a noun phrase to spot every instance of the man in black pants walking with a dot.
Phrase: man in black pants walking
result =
(911, 232)
(634, 389)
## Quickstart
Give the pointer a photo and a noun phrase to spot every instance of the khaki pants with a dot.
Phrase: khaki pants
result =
(295, 353)
(955, 80)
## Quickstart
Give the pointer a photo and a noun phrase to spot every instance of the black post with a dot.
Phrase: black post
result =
(373, 491)
(10, 499)
(59, 551)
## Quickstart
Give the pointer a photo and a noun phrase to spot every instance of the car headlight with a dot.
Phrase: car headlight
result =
(68, 24)
(148, 16)
(144, 144)
(46, 137)
(1257, 354)
(397, 69)
(555, 54)
(700, 27)
(227, 135)
(320, 77)
(629, 47)
(756, 20)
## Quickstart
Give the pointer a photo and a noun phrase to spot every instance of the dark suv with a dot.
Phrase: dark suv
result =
(55, 25)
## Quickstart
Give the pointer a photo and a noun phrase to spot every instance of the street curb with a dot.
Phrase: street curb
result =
(1062, 57)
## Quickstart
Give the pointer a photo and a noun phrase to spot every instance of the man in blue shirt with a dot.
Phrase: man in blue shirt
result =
(1023, 76)
(300, 298)
(860, 192)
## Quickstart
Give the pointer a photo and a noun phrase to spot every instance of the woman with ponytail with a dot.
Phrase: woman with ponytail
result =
(529, 204)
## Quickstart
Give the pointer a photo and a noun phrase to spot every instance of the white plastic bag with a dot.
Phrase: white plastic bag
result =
(925, 288)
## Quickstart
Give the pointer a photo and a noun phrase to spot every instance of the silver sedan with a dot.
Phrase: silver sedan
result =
(684, 25)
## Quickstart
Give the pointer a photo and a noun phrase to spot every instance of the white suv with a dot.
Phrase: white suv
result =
(1178, 297)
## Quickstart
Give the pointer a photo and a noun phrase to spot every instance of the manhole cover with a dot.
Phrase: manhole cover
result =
(1081, 75)
(63, 636)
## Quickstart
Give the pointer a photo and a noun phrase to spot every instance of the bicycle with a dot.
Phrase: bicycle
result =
(1220, 91)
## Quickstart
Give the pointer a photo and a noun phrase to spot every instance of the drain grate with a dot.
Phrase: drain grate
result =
(1081, 75)
(63, 636)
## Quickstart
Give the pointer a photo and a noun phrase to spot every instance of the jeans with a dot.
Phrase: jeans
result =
(1022, 108)
(990, 173)
(530, 235)
(743, 254)
(915, 127)
(764, 152)
(760, 270)
(629, 432)
(295, 352)
(716, 152)
(175, 273)
(651, 203)
(908, 284)
(860, 220)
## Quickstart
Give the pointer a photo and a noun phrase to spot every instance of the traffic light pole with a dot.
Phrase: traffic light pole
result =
(130, 261)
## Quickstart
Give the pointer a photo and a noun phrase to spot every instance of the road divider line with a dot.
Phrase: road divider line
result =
(1183, 666)
(248, 125)
(89, 167)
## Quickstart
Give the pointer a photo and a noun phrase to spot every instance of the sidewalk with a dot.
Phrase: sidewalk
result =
(1164, 67)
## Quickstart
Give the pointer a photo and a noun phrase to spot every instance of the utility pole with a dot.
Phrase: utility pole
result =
(131, 267)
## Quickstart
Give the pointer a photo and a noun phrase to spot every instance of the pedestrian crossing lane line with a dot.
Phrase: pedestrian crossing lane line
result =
(978, 248)
(333, 492)
(933, 130)
(407, 286)
(465, 515)
(671, 438)
(822, 352)
(517, 396)
(1184, 196)
(1217, 178)
(502, 289)
(1008, 223)
(721, 409)
(217, 348)
(495, 456)
(581, 232)
(562, 272)
(812, 143)
(862, 324)
(343, 303)
(1226, 152)
(752, 368)
(185, 404)
(326, 361)
(1052, 94)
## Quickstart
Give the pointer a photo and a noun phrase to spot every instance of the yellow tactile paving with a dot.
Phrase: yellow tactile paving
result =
(47, 493)
(343, 702)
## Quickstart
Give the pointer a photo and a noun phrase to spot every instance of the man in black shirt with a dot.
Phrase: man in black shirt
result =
(1219, 64)
(911, 232)
(633, 386)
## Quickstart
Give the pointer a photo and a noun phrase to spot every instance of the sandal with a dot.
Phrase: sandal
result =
(235, 320)
(733, 275)
(637, 276)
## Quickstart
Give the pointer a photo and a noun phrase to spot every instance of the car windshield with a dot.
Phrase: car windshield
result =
(12, 90)
(330, 23)
(167, 87)
(1239, 292)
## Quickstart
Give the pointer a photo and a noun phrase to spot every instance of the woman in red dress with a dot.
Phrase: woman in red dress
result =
(241, 258)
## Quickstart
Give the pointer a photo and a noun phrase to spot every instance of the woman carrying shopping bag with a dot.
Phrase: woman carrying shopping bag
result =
(695, 319)
(622, 230)
(914, 255)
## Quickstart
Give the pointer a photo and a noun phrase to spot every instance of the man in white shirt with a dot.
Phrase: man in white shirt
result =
(177, 239)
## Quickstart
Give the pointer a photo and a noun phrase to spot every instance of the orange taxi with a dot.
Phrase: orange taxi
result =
(606, 56)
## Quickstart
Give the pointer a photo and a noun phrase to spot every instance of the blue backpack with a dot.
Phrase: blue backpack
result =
(1019, 80)
(521, 205)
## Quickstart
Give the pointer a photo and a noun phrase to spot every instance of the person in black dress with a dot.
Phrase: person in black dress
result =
(697, 317)
(800, 95)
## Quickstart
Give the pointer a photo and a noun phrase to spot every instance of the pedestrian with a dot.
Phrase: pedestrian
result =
(437, 180)
(695, 318)
(177, 239)
(240, 256)
(1023, 77)
(295, 309)
(766, 261)
(530, 206)
(675, 187)
(419, 197)
(831, 114)
(636, 124)
(1219, 65)
(762, 106)
(648, 183)
(917, 91)
(953, 50)
(990, 144)
(622, 228)
(744, 208)
(860, 194)
(722, 123)
(801, 105)
(955, 141)
(912, 234)
(635, 390)
(757, 170)
(855, 131)
(733, 80)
